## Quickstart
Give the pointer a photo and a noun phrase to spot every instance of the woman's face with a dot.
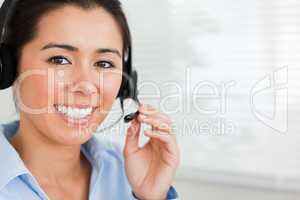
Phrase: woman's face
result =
(70, 73)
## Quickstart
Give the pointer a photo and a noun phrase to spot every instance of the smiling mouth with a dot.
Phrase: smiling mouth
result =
(77, 115)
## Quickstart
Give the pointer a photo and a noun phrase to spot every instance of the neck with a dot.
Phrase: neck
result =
(48, 161)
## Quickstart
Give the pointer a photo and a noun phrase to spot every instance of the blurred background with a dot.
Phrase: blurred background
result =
(227, 74)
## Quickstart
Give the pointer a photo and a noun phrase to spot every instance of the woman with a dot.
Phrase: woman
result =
(69, 66)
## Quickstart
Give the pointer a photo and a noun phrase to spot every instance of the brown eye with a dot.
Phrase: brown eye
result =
(58, 60)
(104, 64)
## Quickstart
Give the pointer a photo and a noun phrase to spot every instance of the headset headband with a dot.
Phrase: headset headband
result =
(6, 11)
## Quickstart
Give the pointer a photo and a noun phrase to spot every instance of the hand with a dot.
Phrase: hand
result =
(151, 168)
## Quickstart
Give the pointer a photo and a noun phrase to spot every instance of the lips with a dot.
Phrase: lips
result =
(76, 115)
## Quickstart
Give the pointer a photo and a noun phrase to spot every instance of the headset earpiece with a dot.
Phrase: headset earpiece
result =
(8, 67)
(8, 64)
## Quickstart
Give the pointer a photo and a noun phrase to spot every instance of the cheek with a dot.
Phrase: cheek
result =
(34, 91)
(110, 87)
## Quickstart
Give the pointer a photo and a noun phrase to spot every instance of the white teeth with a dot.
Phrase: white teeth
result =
(83, 112)
(64, 109)
(76, 113)
(89, 110)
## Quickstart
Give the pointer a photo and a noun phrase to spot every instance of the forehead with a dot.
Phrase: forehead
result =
(88, 29)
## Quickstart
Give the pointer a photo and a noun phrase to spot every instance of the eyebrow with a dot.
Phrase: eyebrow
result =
(72, 48)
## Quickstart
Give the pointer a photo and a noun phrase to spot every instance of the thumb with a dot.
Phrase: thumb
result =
(132, 138)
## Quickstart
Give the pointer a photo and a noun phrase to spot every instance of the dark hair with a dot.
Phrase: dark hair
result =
(23, 25)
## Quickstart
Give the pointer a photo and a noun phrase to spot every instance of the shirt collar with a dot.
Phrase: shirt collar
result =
(13, 166)
(11, 163)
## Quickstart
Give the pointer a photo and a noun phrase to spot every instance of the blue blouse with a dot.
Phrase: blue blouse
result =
(108, 179)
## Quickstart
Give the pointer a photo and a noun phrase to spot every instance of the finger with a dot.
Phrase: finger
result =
(156, 123)
(167, 139)
(132, 138)
(151, 111)
(164, 137)
(147, 109)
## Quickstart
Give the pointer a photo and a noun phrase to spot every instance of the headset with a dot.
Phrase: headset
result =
(8, 64)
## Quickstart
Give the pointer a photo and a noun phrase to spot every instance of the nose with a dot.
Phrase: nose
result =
(84, 87)
(83, 79)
